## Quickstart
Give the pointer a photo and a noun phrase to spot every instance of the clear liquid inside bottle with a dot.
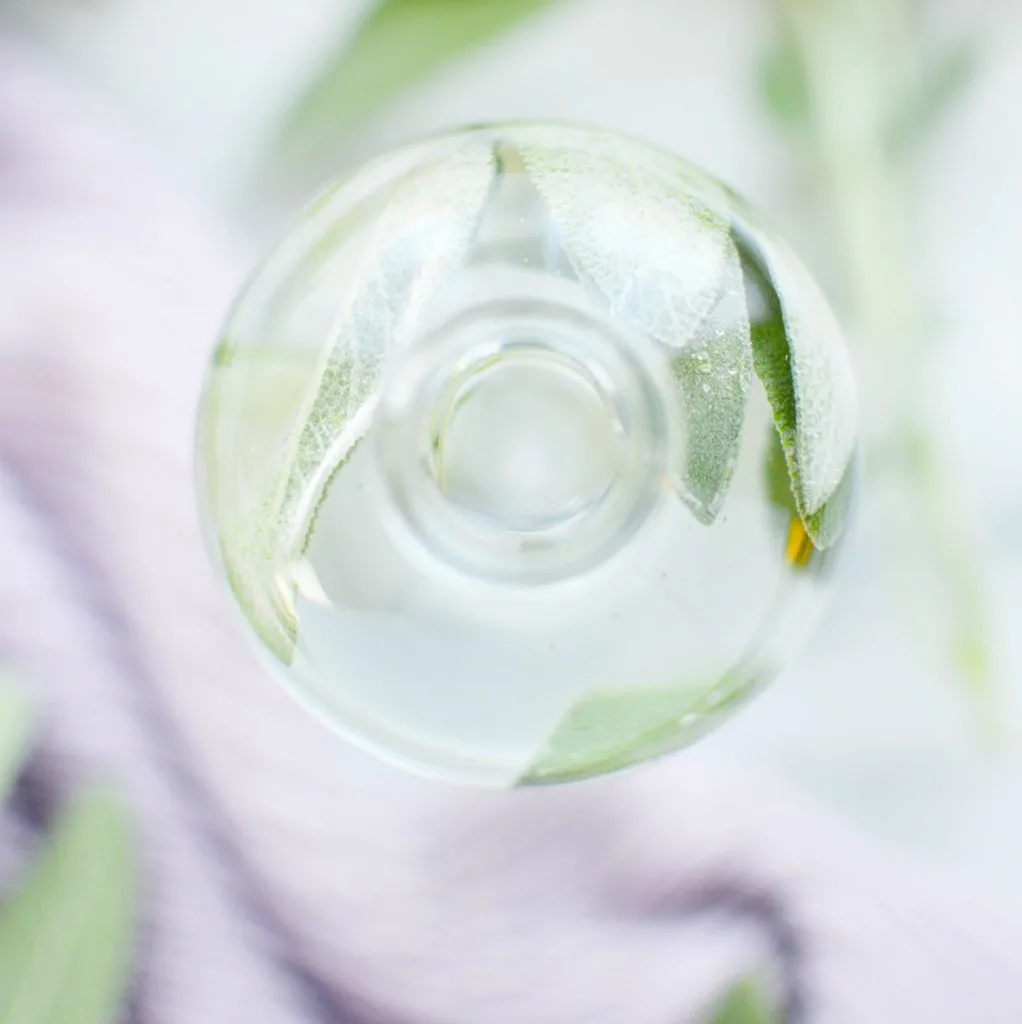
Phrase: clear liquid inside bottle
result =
(494, 463)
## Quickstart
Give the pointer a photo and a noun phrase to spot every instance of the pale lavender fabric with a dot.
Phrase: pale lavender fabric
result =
(287, 879)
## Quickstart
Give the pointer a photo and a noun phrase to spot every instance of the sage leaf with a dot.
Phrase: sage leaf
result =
(800, 553)
(611, 730)
(254, 397)
(15, 731)
(775, 477)
(826, 525)
(712, 376)
(421, 237)
(640, 237)
(66, 935)
(799, 356)
(651, 240)
(744, 1003)
(397, 47)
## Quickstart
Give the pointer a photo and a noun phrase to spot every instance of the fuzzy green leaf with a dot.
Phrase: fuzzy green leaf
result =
(254, 397)
(743, 1004)
(66, 935)
(420, 240)
(799, 357)
(397, 47)
(15, 731)
(421, 235)
(712, 375)
(611, 730)
(652, 248)
(826, 525)
(775, 477)
(649, 237)
(800, 553)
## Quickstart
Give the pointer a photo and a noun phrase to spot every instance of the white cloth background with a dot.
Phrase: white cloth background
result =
(287, 879)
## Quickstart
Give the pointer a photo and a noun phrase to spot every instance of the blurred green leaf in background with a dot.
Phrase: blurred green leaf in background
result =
(399, 45)
(784, 87)
(744, 1003)
(943, 80)
(66, 934)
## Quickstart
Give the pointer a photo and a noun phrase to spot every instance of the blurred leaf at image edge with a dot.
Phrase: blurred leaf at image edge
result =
(66, 934)
(744, 1003)
(398, 45)
(66, 931)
